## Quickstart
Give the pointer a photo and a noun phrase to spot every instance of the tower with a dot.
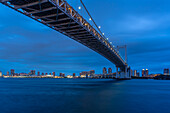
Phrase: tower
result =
(104, 70)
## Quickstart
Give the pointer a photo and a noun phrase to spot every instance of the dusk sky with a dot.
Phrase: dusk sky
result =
(143, 25)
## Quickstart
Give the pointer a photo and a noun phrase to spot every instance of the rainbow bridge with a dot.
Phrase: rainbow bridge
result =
(60, 16)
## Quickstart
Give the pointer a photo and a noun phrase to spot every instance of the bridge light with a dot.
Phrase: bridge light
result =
(110, 42)
(107, 38)
(103, 33)
(99, 27)
(79, 7)
(90, 19)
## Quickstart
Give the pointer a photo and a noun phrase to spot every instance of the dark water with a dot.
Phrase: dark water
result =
(84, 96)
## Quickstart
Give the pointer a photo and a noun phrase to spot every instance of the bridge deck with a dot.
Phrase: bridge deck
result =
(60, 16)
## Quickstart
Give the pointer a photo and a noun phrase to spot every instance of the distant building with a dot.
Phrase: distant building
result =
(104, 70)
(42, 74)
(0, 74)
(74, 75)
(54, 74)
(110, 70)
(69, 76)
(166, 71)
(60, 74)
(146, 72)
(131, 73)
(135, 73)
(12, 72)
(63, 75)
(138, 74)
(7, 73)
(23, 74)
(32, 72)
(86, 74)
(143, 72)
(38, 73)
(92, 72)
(46, 73)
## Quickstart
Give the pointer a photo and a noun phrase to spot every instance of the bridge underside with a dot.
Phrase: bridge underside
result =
(60, 16)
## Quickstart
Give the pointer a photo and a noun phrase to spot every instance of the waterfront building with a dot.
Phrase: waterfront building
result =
(143, 72)
(83, 74)
(60, 74)
(69, 76)
(46, 73)
(32, 72)
(7, 73)
(110, 70)
(12, 72)
(138, 74)
(42, 74)
(0, 74)
(74, 75)
(131, 73)
(104, 70)
(166, 71)
(146, 72)
(90, 73)
(23, 74)
(54, 74)
(38, 74)
(63, 75)
(135, 73)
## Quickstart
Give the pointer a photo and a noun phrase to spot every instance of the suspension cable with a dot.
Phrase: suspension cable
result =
(92, 18)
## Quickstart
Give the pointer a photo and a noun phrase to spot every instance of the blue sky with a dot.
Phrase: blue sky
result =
(143, 25)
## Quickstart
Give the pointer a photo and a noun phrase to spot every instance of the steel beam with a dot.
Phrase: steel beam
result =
(31, 4)
(43, 10)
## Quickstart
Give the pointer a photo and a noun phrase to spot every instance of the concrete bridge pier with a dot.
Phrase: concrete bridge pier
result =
(123, 74)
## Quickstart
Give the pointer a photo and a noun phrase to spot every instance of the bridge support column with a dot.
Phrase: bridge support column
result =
(124, 74)
(117, 72)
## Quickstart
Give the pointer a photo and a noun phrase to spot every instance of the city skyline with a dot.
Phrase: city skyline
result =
(24, 43)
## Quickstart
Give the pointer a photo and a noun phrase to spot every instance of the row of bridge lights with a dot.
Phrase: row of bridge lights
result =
(90, 19)
(98, 26)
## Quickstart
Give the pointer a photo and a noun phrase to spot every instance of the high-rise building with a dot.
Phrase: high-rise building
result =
(54, 74)
(7, 73)
(42, 74)
(60, 74)
(138, 74)
(74, 75)
(110, 70)
(131, 73)
(32, 72)
(92, 72)
(38, 74)
(135, 73)
(166, 71)
(143, 73)
(63, 75)
(49, 73)
(12, 72)
(147, 72)
(46, 73)
(104, 70)
(0, 74)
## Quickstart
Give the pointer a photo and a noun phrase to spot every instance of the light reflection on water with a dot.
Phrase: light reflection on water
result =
(83, 96)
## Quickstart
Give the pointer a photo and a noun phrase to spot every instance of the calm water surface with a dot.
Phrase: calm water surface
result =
(84, 96)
